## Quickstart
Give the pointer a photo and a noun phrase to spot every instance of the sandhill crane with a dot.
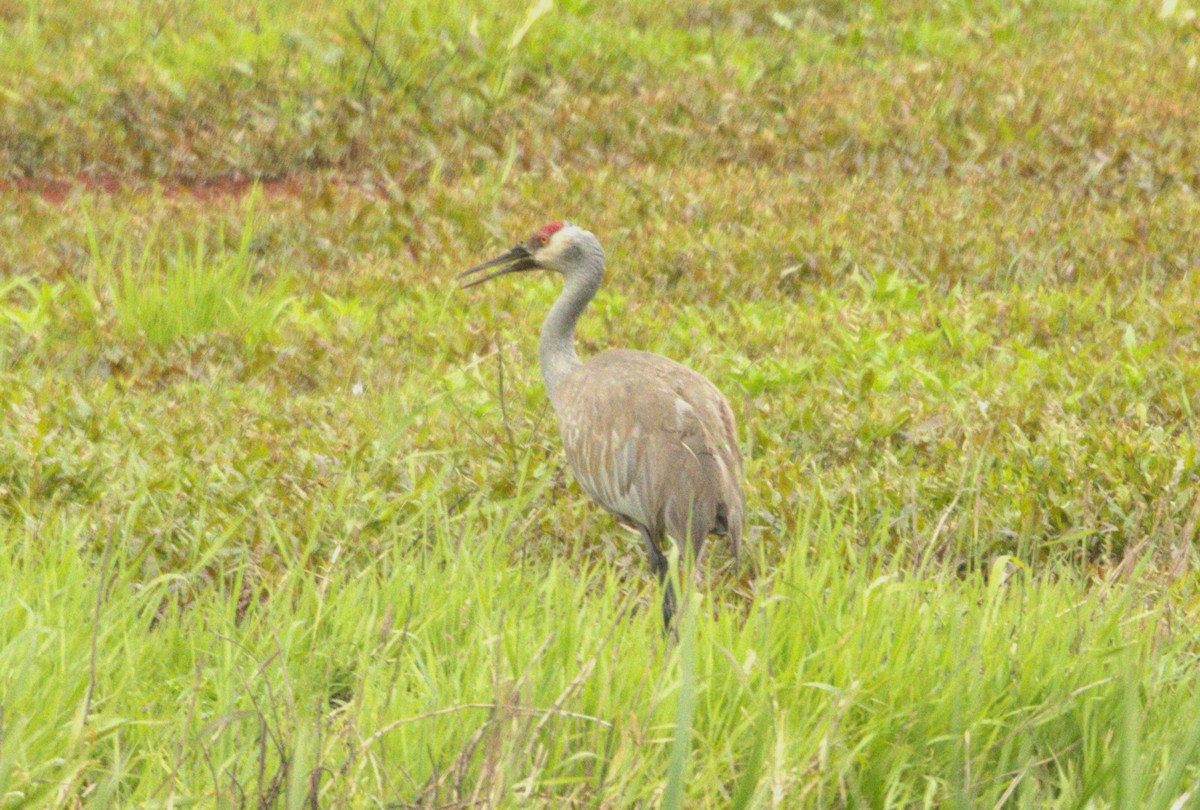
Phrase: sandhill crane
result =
(649, 439)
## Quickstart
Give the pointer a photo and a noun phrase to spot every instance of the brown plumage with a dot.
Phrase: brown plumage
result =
(649, 439)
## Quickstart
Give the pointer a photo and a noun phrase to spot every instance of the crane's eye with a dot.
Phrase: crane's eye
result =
(543, 240)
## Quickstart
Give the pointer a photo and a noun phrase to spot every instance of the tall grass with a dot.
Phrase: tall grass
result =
(437, 674)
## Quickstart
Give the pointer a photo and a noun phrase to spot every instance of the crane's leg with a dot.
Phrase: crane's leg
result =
(660, 567)
(668, 608)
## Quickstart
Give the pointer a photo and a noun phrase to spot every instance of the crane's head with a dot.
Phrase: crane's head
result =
(559, 246)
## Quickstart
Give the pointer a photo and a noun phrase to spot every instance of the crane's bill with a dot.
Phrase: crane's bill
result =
(517, 259)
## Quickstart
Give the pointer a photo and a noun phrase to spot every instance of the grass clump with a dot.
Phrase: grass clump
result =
(163, 296)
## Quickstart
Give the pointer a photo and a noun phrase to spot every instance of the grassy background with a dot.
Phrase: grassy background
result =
(287, 517)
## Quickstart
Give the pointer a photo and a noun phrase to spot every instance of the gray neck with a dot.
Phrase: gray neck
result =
(556, 349)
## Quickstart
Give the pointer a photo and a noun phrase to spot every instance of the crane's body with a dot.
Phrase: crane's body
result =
(652, 441)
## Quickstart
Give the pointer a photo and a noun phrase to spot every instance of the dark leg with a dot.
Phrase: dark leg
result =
(658, 560)
(660, 567)
(668, 607)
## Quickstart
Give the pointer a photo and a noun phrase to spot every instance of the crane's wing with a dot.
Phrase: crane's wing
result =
(655, 443)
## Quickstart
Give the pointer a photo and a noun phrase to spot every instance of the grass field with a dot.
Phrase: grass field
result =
(285, 515)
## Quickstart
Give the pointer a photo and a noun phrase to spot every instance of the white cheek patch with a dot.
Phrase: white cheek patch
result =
(553, 251)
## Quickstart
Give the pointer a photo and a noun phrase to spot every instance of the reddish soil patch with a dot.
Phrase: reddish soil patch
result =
(58, 189)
